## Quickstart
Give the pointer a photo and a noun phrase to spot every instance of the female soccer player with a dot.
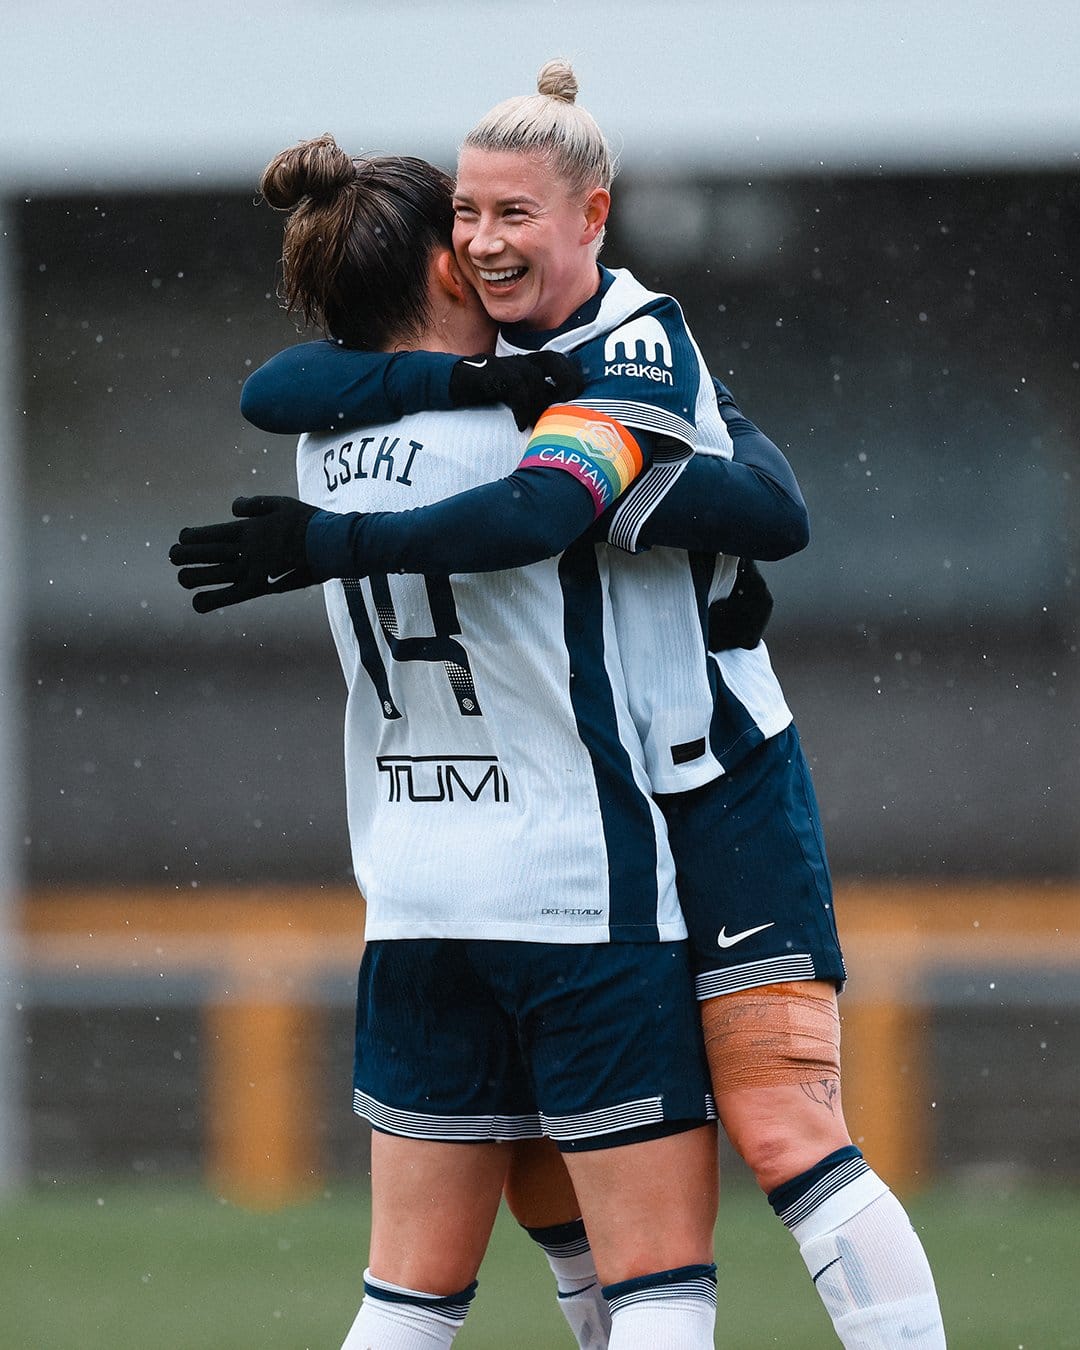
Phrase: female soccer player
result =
(745, 830)
(518, 885)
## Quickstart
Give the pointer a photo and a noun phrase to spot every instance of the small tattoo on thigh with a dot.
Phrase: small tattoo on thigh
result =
(825, 1091)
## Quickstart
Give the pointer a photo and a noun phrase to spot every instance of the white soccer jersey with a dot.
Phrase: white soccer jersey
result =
(495, 781)
(696, 713)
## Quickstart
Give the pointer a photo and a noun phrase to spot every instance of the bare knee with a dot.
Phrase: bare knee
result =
(649, 1206)
(780, 1132)
(433, 1208)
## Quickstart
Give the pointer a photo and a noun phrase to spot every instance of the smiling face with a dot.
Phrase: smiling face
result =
(525, 238)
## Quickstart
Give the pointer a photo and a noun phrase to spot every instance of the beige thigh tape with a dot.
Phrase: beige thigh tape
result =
(779, 1033)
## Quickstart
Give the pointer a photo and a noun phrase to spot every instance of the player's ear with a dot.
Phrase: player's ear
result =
(597, 206)
(450, 276)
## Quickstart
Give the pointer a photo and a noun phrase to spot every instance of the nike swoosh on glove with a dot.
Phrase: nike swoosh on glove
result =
(526, 384)
(260, 553)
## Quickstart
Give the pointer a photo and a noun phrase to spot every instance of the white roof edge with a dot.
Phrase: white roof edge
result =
(153, 94)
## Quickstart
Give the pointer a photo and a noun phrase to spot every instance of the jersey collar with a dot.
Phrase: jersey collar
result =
(531, 339)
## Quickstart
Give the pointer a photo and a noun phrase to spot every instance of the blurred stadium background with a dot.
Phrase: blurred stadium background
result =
(871, 212)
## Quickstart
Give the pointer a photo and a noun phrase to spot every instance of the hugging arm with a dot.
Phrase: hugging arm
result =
(749, 506)
(314, 386)
(320, 386)
(280, 544)
(512, 522)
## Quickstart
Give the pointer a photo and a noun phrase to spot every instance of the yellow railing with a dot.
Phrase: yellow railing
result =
(259, 957)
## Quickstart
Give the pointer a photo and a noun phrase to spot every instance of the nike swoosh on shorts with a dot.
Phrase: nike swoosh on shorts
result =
(722, 939)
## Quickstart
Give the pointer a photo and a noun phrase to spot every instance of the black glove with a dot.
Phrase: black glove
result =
(262, 553)
(526, 384)
(740, 619)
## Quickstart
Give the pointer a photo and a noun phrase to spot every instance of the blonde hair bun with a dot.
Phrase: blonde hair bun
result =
(557, 80)
(551, 125)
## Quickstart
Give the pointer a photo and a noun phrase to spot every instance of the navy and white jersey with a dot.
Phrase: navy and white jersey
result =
(495, 780)
(697, 713)
(643, 367)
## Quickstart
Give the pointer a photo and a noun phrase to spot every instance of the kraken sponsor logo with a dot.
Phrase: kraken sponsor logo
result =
(640, 349)
(443, 778)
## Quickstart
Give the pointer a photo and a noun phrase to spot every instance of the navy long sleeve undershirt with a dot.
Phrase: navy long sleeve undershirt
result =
(319, 386)
(512, 522)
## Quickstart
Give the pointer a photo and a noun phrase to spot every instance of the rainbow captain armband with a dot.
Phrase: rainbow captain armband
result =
(599, 452)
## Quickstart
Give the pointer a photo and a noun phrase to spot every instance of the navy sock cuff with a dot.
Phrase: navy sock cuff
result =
(704, 1276)
(453, 1305)
(784, 1196)
(561, 1239)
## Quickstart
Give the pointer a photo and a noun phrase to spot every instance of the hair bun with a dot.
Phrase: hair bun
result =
(317, 169)
(557, 80)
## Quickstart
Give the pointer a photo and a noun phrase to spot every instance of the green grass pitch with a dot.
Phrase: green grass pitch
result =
(176, 1269)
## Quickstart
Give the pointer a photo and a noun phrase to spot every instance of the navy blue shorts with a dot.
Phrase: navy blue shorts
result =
(752, 874)
(469, 1040)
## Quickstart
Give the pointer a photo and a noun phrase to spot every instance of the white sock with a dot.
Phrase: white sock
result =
(394, 1318)
(866, 1261)
(671, 1310)
(587, 1313)
(581, 1299)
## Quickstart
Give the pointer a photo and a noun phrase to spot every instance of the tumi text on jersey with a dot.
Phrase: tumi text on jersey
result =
(369, 457)
(439, 778)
